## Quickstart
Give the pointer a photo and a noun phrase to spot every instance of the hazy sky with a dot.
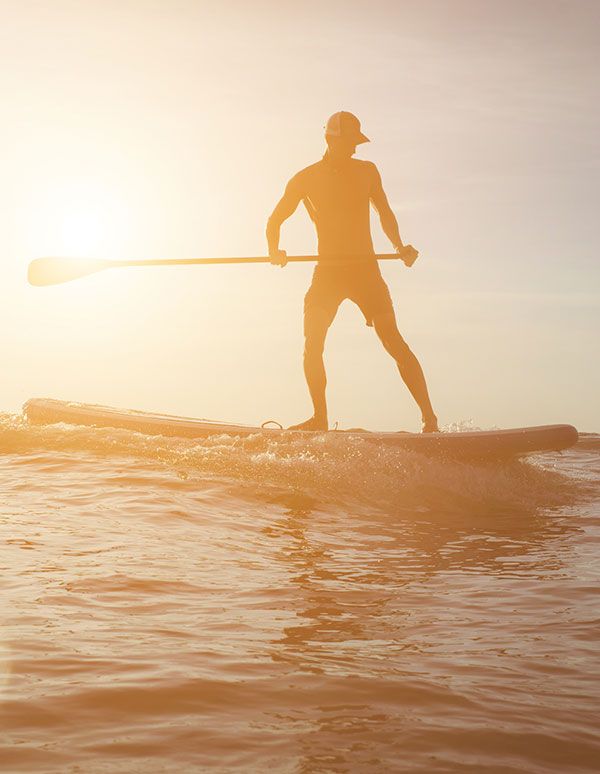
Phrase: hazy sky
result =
(169, 129)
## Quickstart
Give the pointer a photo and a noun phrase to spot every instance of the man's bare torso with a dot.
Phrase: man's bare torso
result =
(337, 196)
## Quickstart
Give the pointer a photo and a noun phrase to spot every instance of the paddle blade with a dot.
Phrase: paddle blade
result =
(53, 271)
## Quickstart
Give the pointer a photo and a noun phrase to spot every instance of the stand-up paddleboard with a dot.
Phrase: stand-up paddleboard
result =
(485, 444)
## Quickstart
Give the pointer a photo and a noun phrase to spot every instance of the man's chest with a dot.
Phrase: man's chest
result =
(333, 190)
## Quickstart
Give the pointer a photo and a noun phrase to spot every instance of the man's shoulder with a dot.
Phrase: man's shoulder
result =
(302, 179)
(321, 166)
(369, 173)
(366, 166)
(316, 170)
(309, 171)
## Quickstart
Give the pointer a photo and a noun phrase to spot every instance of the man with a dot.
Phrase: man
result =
(337, 192)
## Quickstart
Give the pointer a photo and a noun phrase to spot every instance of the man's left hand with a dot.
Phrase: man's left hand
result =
(407, 253)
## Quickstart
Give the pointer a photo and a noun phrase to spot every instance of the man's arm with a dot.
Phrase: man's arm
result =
(285, 207)
(389, 224)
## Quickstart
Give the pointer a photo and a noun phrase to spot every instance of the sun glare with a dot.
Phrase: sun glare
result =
(79, 219)
(82, 229)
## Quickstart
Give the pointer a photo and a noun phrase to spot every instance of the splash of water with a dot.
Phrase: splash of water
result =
(333, 468)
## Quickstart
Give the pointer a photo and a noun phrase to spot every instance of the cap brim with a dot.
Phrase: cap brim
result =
(358, 138)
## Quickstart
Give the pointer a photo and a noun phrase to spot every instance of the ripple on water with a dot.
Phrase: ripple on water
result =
(312, 606)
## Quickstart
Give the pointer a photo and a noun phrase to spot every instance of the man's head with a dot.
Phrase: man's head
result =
(342, 133)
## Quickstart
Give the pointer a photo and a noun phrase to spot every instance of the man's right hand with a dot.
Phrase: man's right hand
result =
(278, 257)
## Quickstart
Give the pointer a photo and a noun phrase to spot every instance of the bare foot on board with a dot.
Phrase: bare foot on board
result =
(314, 423)
(430, 425)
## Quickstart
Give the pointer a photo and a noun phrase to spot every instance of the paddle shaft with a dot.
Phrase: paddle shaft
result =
(250, 259)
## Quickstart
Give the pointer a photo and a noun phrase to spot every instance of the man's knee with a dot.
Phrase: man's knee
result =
(316, 326)
(396, 346)
(314, 344)
(390, 336)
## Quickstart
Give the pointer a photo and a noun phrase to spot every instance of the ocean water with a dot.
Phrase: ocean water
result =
(295, 606)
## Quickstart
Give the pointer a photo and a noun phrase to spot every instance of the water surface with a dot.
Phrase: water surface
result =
(301, 606)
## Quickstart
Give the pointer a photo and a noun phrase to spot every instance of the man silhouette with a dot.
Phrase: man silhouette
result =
(337, 192)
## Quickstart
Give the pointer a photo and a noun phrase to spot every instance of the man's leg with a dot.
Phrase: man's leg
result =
(408, 365)
(316, 325)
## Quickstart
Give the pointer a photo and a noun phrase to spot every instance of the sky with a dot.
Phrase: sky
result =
(168, 129)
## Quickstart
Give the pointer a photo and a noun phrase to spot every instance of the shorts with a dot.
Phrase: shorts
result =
(362, 284)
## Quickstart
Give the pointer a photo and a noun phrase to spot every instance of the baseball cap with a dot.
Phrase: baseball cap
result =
(344, 124)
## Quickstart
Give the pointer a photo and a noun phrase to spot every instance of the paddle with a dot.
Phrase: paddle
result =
(53, 271)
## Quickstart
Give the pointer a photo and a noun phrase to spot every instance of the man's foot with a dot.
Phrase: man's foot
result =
(314, 423)
(430, 425)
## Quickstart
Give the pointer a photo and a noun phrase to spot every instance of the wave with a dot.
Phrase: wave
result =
(329, 469)
(589, 442)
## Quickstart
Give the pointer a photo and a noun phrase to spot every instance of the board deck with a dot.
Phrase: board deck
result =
(484, 444)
